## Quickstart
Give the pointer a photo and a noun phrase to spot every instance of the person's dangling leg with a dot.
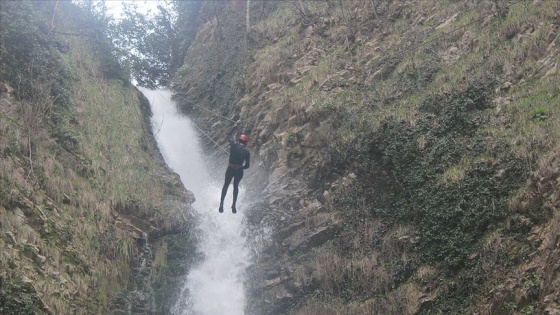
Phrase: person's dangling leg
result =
(227, 181)
(236, 180)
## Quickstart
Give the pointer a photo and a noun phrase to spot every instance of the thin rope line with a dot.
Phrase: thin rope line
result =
(197, 127)
(413, 49)
(214, 113)
(193, 103)
(216, 143)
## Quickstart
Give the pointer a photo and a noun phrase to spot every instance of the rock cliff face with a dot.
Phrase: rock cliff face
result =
(411, 150)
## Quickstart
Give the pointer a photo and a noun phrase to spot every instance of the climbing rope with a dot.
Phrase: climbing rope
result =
(216, 143)
(410, 50)
(214, 113)
(194, 124)
(195, 104)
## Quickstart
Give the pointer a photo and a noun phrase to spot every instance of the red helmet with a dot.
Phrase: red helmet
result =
(243, 137)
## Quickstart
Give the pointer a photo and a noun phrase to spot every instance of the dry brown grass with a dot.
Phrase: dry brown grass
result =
(369, 270)
(389, 305)
(74, 193)
(455, 173)
(315, 307)
(494, 242)
(270, 60)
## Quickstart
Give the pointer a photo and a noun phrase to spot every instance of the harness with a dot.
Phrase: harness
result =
(236, 166)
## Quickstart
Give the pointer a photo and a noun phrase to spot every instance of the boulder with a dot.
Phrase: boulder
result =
(319, 237)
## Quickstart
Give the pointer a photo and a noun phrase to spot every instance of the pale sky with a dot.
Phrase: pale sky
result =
(115, 6)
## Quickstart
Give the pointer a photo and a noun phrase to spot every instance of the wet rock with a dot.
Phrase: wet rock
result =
(11, 238)
(448, 21)
(284, 233)
(424, 302)
(317, 238)
(278, 174)
(281, 114)
(40, 259)
(272, 282)
(271, 274)
(26, 280)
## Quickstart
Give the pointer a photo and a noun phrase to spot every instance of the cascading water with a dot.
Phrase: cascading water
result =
(215, 287)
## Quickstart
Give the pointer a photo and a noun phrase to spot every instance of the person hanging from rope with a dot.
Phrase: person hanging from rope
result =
(239, 160)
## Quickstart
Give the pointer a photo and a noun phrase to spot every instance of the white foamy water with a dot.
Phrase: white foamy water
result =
(215, 287)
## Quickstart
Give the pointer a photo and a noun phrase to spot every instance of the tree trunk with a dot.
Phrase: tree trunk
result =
(248, 16)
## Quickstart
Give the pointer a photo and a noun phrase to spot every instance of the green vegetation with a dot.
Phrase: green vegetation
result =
(146, 44)
(428, 133)
(80, 176)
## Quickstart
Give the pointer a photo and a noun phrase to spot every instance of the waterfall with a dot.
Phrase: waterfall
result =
(215, 286)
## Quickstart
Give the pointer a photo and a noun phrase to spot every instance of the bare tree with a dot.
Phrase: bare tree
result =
(374, 5)
(303, 11)
(248, 16)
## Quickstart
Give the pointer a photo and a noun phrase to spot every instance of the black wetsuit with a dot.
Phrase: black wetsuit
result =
(239, 159)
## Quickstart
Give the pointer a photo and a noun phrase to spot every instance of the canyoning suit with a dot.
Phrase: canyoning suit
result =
(239, 159)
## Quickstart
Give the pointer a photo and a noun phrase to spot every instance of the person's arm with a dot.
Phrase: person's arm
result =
(230, 133)
(247, 161)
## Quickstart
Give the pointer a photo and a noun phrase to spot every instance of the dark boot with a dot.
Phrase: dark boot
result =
(233, 210)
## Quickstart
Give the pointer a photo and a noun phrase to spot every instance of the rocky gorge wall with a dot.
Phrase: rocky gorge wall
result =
(411, 150)
(86, 197)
